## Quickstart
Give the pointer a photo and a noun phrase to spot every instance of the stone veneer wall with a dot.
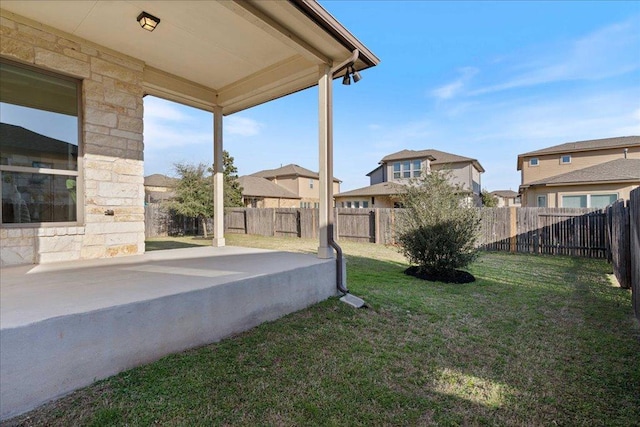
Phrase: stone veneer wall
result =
(112, 168)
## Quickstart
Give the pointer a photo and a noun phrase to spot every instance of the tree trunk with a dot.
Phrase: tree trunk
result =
(204, 225)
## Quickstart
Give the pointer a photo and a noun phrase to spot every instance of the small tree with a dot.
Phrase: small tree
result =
(232, 188)
(436, 229)
(488, 199)
(193, 193)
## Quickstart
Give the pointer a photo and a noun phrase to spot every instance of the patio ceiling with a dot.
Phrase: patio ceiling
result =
(233, 54)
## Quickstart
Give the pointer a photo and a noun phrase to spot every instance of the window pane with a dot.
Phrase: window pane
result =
(396, 167)
(39, 119)
(574, 201)
(396, 174)
(602, 200)
(416, 165)
(542, 201)
(406, 174)
(365, 204)
(416, 173)
(35, 197)
(565, 159)
(406, 166)
(533, 162)
(356, 204)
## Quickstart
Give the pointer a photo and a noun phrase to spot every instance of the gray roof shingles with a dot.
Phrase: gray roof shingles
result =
(289, 170)
(592, 144)
(255, 186)
(437, 157)
(380, 189)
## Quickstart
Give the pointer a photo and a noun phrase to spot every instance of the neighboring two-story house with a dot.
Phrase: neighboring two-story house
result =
(395, 171)
(302, 183)
(590, 173)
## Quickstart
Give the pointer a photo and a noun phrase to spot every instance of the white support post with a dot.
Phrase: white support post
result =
(325, 137)
(218, 180)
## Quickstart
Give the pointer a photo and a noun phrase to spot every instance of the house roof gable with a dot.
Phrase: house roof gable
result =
(436, 157)
(255, 186)
(292, 170)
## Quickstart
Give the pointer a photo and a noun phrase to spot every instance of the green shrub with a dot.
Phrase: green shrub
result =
(437, 229)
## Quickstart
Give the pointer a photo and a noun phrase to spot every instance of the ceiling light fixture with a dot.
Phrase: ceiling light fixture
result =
(148, 21)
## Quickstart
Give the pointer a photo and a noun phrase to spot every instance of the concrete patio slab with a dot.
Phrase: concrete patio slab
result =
(65, 325)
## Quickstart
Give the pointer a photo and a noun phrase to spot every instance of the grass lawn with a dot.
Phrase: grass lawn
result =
(535, 340)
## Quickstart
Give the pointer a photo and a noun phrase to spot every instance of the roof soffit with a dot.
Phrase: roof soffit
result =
(241, 53)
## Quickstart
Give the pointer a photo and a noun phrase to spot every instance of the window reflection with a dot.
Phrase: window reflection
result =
(38, 145)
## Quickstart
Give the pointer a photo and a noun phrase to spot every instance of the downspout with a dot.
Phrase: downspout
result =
(339, 261)
(340, 265)
(339, 255)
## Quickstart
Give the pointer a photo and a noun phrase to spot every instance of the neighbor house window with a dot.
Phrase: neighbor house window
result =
(589, 200)
(574, 201)
(39, 130)
(533, 161)
(566, 159)
(407, 169)
(365, 204)
(602, 200)
(356, 204)
(348, 204)
(310, 183)
(542, 201)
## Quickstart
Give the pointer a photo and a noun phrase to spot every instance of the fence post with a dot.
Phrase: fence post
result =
(513, 230)
(376, 221)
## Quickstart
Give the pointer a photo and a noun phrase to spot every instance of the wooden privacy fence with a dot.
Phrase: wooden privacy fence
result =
(623, 241)
(554, 231)
(578, 232)
(360, 225)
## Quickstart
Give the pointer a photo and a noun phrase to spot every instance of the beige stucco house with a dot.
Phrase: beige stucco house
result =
(591, 173)
(302, 182)
(258, 192)
(73, 76)
(506, 198)
(397, 169)
(158, 188)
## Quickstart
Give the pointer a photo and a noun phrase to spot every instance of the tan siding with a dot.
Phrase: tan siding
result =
(554, 194)
(549, 165)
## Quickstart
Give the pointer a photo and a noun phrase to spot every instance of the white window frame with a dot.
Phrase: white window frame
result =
(534, 161)
(589, 196)
(562, 162)
(400, 170)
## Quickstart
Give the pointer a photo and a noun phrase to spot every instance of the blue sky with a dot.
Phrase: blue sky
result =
(487, 80)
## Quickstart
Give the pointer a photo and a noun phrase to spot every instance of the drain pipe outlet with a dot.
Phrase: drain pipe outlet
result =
(347, 297)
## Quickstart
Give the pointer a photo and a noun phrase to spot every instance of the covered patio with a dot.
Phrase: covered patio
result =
(94, 303)
(65, 325)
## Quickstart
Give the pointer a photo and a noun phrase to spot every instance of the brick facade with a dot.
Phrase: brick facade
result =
(111, 168)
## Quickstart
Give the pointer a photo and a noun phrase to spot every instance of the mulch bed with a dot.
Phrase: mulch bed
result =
(454, 276)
